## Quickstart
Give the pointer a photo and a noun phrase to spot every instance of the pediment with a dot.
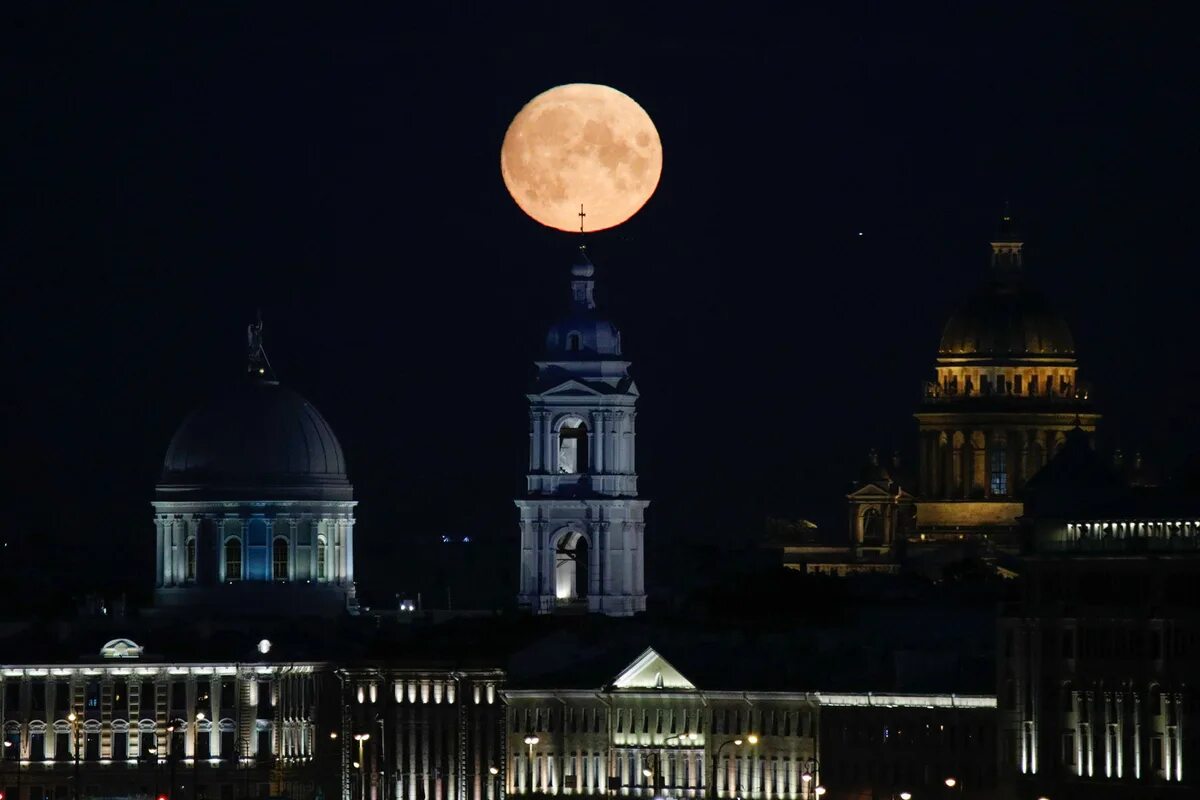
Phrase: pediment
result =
(121, 648)
(651, 671)
(571, 388)
(873, 492)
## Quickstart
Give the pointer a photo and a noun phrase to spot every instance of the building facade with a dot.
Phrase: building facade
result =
(1098, 653)
(582, 522)
(422, 734)
(127, 726)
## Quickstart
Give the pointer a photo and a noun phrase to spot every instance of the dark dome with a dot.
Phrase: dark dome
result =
(257, 434)
(583, 335)
(1006, 321)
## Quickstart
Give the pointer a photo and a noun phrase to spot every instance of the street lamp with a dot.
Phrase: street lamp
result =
(73, 719)
(531, 740)
(820, 790)
(906, 796)
(712, 773)
(196, 756)
(8, 745)
(494, 771)
(359, 765)
(810, 771)
(172, 757)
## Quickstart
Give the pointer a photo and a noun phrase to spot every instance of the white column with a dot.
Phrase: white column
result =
(348, 526)
(159, 575)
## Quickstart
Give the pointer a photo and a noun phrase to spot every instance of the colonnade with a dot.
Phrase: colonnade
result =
(983, 463)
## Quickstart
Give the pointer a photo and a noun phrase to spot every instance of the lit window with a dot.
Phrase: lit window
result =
(190, 547)
(233, 560)
(279, 560)
(322, 555)
(999, 469)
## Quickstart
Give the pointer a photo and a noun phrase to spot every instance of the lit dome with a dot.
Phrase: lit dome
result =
(256, 436)
(1006, 321)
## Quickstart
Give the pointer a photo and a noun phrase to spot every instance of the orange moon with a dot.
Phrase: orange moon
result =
(581, 144)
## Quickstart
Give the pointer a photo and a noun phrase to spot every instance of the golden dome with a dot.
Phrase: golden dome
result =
(1005, 321)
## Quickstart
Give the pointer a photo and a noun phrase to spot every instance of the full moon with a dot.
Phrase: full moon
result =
(582, 144)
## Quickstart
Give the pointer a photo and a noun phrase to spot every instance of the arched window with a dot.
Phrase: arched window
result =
(571, 568)
(279, 560)
(872, 526)
(322, 557)
(999, 471)
(572, 447)
(572, 342)
(233, 559)
(190, 551)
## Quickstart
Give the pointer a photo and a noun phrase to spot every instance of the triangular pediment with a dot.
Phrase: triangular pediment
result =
(875, 492)
(571, 388)
(651, 671)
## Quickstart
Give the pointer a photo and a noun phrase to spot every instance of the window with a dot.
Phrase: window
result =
(322, 555)
(233, 560)
(999, 470)
(572, 447)
(573, 343)
(279, 560)
(190, 547)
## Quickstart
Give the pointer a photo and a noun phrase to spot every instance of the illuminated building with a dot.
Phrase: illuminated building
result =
(581, 520)
(433, 733)
(651, 732)
(1005, 395)
(254, 511)
(1098, 655)
(247, 679)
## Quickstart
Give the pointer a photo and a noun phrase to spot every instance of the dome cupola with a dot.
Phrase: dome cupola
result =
(1006, 319)
(583, 335)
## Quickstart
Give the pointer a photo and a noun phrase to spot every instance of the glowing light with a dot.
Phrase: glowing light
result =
(752, 738)
(951, 782)
(494, 770)
(906, 796)
(333, 734)
(820, 790)
(264, 646)
(581, 144)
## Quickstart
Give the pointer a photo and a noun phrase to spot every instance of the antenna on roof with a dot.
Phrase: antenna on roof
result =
(257, 362)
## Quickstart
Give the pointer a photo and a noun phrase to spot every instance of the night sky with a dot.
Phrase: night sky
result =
(169, 171)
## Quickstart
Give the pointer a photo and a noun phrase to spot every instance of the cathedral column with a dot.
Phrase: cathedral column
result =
(535, 443)
(549, 465)
(348, 527)
(598, 457)
(159, 561)
(594, 564)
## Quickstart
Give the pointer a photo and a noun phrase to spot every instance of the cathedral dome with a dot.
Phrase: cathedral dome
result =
(256, 435)
(1006, 321)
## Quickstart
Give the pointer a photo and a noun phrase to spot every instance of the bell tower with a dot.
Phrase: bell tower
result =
(581, 520)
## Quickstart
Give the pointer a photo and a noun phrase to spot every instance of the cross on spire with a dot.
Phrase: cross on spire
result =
(581, 216)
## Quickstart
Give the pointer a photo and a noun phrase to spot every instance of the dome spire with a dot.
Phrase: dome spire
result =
(257, 363)
(1007, 258)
